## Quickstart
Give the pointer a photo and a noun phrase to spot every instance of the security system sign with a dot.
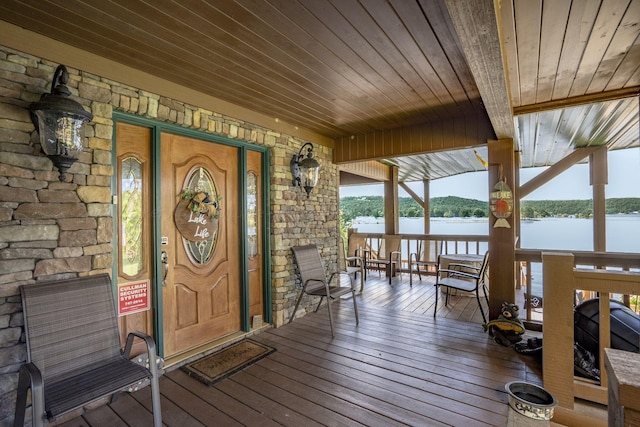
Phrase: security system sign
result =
(133, 297)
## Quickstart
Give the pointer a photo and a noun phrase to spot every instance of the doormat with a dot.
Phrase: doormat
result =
(223, 363)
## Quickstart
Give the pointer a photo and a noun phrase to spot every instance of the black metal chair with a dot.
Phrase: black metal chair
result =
(74, 355)
(388, 255)
(466, 278)
(315, 282)
(426, 256)
(352, 265)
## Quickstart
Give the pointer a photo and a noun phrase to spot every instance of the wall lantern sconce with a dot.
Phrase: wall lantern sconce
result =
(305, 170)
(59, 120)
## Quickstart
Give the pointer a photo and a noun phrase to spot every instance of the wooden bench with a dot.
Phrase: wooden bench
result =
(74, 355)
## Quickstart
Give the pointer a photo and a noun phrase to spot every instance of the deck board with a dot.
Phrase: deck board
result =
(398, 366)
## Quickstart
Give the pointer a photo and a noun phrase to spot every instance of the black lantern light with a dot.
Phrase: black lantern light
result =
(59, 120)
(305, 170)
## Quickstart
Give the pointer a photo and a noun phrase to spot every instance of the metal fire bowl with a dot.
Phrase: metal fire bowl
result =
(531, 400)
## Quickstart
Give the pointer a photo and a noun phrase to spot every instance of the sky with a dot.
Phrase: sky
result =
(573, 184)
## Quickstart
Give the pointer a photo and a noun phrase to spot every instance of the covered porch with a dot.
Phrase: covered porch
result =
(366, 83)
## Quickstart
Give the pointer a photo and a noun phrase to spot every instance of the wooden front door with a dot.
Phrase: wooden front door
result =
(201, 286)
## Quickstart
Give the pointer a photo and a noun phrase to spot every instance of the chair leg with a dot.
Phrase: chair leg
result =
(486, 297)
(484, 319)
(355, 306)
(411, 274)
(155, 396)
(330, 316)
(435, 309)
(484, 290)
(155, 384)
(296, 306)
(320, 303)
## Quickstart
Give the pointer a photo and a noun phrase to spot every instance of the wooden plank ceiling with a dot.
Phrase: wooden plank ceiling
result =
(350, 69)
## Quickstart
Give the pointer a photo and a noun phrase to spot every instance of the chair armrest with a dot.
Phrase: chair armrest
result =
(352, 284)
(355, 259)
(452, 273)
(411, 256)
(151, 344)
(397, 253)
(33, 373)
(338, 274)
(151, 349)
(30, 377)
(469, 266)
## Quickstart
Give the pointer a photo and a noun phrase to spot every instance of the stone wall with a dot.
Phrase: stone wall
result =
(51, 229)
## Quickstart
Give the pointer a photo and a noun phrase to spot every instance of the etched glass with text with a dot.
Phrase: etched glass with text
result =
(201, 251)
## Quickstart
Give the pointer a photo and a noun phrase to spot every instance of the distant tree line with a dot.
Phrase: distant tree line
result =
(451, 206)
(579, 208)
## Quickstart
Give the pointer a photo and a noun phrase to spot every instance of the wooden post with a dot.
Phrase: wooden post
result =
(391, 214)
(598, 177)
(501, 240)
(557, 352)
(427, 207)
(517, 232)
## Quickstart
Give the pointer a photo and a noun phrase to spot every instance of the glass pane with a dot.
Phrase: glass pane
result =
(131, 205)
(252, 214)
(201, 182)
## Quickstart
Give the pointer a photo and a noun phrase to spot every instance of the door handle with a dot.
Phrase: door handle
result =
(165, 267)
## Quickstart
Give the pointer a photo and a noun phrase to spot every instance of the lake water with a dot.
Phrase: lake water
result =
(623, 231)
(623, 234)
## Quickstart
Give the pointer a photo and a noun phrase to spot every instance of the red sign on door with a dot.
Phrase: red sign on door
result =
(133, 297)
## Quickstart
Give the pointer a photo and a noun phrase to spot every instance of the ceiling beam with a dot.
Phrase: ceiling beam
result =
(412, 193)
(555, 170)
(439, 135)
(371, 170)
(578, 100)
(475, 22)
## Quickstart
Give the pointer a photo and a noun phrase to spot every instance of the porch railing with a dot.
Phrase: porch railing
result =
(452, 244)
(525, 258)
(561, 280)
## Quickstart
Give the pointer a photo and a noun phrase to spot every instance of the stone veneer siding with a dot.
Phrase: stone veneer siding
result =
(51, 229)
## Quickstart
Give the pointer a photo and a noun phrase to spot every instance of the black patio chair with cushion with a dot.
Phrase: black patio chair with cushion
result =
(74, 355)
(466, 278)
(315, 282)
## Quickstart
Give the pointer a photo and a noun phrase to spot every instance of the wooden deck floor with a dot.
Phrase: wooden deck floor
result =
(399, 366)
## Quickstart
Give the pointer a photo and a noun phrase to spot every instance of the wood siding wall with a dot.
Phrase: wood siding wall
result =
(440, 135)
